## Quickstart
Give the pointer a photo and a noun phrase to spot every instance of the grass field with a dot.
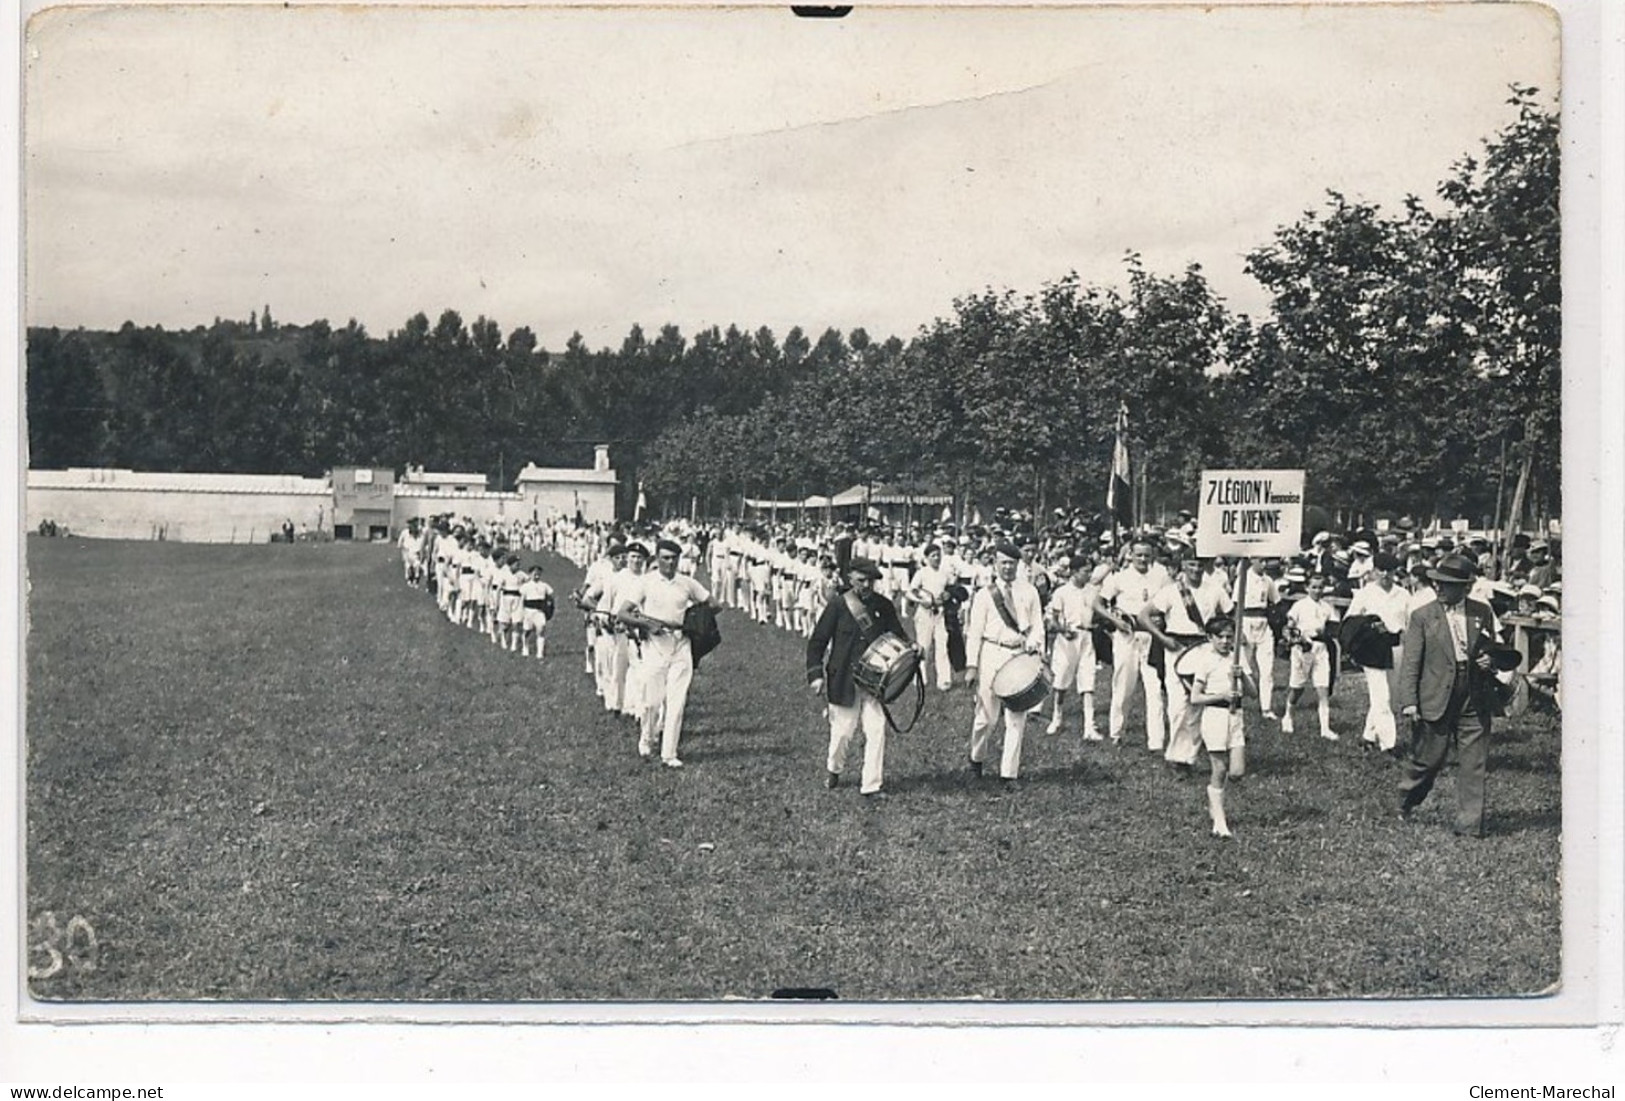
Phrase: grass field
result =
(277, 773)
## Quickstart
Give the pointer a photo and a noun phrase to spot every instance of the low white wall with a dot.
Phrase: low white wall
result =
(184, 516)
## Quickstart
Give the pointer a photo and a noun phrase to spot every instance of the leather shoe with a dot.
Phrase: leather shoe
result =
(832, 779)
(975, 768)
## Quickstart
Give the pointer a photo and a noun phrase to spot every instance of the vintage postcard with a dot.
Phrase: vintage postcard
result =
(935, 514)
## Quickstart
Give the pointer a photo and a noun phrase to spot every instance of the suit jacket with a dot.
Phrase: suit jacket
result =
(1428, 669)
(838, 638)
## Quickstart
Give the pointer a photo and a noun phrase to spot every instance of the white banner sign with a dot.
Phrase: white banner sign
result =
(1252, 513)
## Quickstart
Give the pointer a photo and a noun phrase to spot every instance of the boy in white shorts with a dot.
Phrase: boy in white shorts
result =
(1072, 661)
(536, 603)
(510, 577)
(1310, 623)
(1217, 685)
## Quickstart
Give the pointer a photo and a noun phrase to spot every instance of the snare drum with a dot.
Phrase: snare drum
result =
(887, 667)
(1022, 683)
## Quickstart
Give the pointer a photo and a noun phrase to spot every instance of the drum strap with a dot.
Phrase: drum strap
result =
(919, 704)
(1190, 605)
(1004, 610)
(866, 622)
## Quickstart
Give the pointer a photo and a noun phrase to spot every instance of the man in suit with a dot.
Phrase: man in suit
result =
(1006, 620)
(851, 620)
(1446, 687)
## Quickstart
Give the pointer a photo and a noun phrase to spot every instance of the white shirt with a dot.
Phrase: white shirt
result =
(1392, 606)
(987, 625)
(1261, 590)
(931, 582)
(1210, 671)
(1310, 616)
(1456, 617)
(1132, 589)
(1073, 606)
(667, 601)
(1170, 601)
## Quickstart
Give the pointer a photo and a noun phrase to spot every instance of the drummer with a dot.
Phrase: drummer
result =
(1006, 622)
(851, 620)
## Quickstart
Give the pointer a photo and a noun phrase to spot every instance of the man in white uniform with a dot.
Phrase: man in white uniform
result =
(1072, 662)
(926, 592)
(1257, 638)
(1122, 596)
(1380, 597)
(596, 600)
(637, 564)
(1006, 620)
(657, 603)
(1176, 616)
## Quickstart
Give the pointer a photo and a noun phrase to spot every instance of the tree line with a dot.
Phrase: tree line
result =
(1409, 360)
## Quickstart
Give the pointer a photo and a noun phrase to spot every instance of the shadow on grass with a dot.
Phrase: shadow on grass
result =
(1502, 823)
(1297, 812)
(1520, 763)
(719, 754)
(1079, 774)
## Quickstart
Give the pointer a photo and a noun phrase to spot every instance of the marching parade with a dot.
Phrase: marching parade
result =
(1031, 613)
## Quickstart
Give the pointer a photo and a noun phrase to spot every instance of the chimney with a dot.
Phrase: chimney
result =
(600, 457)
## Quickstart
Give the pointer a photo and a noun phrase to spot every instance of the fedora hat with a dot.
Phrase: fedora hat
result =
(1454, 568)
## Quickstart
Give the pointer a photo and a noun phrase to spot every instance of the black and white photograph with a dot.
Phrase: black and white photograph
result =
(958, 507)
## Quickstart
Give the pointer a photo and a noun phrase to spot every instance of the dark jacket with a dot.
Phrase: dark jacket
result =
(1368, 641)
(1428, 668)
(700, 625)
(838, 637)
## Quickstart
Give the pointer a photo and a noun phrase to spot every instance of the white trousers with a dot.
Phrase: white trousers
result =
(988, 710)
(1258, 645)
(1072, 663)
(632, 690)
(843, 725)
(1379, 720)
(931, 635)
(668, 669)
(609, 665)
(1184, 721)
(1131, 664)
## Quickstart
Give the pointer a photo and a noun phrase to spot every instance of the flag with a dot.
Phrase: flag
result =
(643, 503)
(1119, 501)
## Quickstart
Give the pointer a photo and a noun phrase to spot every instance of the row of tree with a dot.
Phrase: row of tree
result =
(1409, 360)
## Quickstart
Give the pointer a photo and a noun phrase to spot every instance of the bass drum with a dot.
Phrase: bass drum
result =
(1022, 683)
(887, 668)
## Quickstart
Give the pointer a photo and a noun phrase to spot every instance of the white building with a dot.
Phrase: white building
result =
(566, 491)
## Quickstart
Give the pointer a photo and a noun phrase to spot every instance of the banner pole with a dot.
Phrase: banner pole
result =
(1238, 754)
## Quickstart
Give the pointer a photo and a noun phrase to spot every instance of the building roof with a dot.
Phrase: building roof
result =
(482, 494)
(109, 479)
(419, 477)
(534, 473)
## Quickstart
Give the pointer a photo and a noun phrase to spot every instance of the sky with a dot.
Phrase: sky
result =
(584, 170)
